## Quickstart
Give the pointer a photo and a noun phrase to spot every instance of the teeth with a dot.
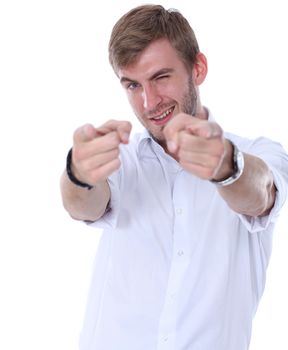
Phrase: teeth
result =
(163, 115)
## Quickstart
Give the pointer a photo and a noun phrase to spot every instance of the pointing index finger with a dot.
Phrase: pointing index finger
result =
(206, 129)
(84, 133)
(123, 128)
(172, 129)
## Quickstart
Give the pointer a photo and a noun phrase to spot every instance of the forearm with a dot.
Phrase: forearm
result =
(254, 192)
(198, 145)
(94, 158)
(84, 204)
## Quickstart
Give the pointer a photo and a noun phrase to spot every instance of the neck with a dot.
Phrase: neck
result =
(202, 113)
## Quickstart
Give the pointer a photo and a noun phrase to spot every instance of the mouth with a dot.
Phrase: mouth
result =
(164, 117)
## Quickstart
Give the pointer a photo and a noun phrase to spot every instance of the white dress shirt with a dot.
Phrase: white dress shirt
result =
(176, 269)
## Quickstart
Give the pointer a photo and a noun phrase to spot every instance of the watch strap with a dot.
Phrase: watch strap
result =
(238, 167)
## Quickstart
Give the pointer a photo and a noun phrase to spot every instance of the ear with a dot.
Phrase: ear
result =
(200, 69)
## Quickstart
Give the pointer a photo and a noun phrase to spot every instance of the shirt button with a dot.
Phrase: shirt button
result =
(165, 339)
(180, 252)
(179, 211)
(172, 296)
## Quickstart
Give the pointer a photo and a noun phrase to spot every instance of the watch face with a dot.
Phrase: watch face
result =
(238, 160)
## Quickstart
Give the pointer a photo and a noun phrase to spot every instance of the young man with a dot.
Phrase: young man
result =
(187, 210)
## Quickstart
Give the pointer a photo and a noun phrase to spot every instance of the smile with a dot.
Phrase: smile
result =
(164, 117)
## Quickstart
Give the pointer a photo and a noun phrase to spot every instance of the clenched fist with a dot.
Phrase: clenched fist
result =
(96, 150)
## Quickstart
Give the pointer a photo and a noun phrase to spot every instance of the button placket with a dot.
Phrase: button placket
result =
(180, 252)
(167, 326)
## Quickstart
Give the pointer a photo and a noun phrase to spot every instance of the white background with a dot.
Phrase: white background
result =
(55, 76)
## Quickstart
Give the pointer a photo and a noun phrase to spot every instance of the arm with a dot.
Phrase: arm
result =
(200, 148)
(254, 192)
(95, 156)
(83, 204)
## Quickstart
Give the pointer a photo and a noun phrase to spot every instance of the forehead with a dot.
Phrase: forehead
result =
(156, 56)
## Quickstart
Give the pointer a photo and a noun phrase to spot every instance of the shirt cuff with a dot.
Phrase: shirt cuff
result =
(109, 219)
(258, 224)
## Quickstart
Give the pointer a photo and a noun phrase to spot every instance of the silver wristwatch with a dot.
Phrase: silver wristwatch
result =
(238, 167)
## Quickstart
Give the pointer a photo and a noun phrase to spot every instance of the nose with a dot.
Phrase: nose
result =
(151, 97)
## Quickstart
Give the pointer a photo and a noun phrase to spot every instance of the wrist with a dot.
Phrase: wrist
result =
(232, 166)
(71, 174)
(227, 166)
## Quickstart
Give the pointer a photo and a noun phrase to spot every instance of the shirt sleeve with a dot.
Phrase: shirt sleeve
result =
(120, 182)
(276, 158)
(110, 217)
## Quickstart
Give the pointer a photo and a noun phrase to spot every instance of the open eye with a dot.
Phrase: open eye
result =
(132, 86)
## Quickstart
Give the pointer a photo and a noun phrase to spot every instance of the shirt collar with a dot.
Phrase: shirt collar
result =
(145, 138)
(146, 144)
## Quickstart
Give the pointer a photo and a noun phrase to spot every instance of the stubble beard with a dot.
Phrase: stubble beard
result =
(188, 106)
(190, 99)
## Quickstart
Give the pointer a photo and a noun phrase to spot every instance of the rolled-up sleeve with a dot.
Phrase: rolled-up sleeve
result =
(276, 158)
(110, 217)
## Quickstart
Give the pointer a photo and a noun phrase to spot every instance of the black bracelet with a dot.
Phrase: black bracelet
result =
(71, 176)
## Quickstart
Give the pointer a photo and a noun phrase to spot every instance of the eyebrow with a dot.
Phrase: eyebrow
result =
(153, 76)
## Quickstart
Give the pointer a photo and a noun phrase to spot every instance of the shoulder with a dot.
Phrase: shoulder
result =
(259, 145)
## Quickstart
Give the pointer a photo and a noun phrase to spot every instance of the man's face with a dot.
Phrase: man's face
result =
(158, 87)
